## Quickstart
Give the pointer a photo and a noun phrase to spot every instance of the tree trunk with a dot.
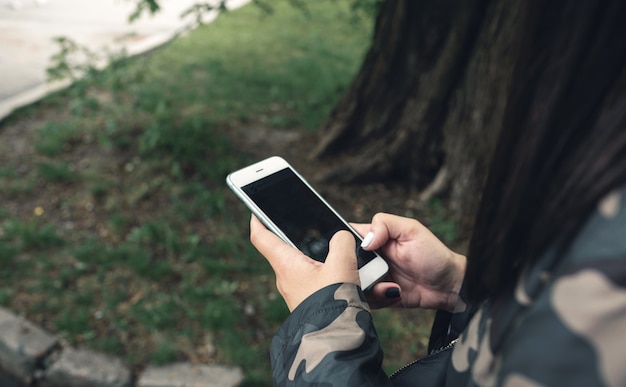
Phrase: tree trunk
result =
(427, 103)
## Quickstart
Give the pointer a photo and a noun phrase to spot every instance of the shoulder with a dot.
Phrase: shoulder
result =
(604, 235)
(564, 323)
(577, 317)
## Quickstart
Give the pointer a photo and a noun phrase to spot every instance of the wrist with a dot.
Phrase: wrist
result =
(454, 303)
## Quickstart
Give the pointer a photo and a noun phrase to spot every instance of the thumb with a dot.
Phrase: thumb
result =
(341, 257)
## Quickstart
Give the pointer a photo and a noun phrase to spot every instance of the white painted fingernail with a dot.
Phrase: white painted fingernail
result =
(367, 240)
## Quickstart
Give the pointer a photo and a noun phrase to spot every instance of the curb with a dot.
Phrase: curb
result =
(31, 356)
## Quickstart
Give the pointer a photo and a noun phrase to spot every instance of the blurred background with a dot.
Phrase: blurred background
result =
(117, 231)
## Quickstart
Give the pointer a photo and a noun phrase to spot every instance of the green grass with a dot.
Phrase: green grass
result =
(440, 222)
(138, 249)
(56, 172)
(30, 235)
(54, 138)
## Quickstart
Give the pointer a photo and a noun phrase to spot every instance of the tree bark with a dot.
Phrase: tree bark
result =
(427, 103)
(475, 119)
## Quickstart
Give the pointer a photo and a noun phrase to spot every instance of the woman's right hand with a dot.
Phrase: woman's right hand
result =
(427, 273)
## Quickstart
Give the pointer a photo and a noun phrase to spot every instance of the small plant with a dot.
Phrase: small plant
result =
(6, 294)
(119, 223)
(199, 10)
(7, 172)
(54, 138)
(219, 313)
(31, 235)
(197, 202)
(18, 186)
(93, 252)
(109, 344)
(99, 189)
(56, 172)
(164, 352)
(74, 321)
(191, 143)
(73, 61)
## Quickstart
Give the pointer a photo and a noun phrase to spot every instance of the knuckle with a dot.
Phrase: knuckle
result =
(256, 238)
(253, 238)
(378, 217)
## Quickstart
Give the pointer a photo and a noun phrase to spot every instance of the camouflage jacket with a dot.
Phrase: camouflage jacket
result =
(565, 325)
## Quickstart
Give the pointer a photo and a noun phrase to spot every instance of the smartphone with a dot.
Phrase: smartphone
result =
(288, 206)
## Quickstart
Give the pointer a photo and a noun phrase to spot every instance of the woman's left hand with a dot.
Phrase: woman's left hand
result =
(299, 276)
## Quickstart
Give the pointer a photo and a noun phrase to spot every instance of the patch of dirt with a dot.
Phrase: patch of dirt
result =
(71, 207)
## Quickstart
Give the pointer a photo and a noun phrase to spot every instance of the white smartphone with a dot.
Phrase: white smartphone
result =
(288, 206)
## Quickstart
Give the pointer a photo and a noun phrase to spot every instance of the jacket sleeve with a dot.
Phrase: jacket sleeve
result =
(330, 340)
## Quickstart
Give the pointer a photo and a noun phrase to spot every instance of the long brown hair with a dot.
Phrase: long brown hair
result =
(563, 141)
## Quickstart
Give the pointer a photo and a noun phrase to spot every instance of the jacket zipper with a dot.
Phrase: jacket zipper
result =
(451, 344)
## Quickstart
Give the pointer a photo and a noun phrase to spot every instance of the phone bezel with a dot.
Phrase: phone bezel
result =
(372, 272)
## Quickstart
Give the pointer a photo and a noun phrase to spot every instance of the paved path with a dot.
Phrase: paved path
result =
(27, 30)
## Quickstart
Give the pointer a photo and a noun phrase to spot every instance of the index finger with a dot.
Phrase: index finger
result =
(387, 226)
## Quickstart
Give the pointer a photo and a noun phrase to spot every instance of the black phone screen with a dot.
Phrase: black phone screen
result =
(300, 214)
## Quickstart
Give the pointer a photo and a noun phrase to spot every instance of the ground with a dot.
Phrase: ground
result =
(356, 202)
(76, 190)
(117, 230)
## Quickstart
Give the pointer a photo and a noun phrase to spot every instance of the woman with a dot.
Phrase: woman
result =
(546, 268)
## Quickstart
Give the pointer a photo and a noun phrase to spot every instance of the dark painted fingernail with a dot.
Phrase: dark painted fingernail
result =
(392, 293)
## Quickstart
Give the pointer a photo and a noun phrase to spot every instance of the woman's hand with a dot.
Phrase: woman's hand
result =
(427, 273)
(298, 276)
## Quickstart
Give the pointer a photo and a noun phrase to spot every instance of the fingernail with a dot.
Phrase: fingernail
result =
(367, 240)
(392, 293)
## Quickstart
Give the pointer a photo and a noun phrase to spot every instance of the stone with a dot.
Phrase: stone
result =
(83, 368)
(23, 346)
(187, 375)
